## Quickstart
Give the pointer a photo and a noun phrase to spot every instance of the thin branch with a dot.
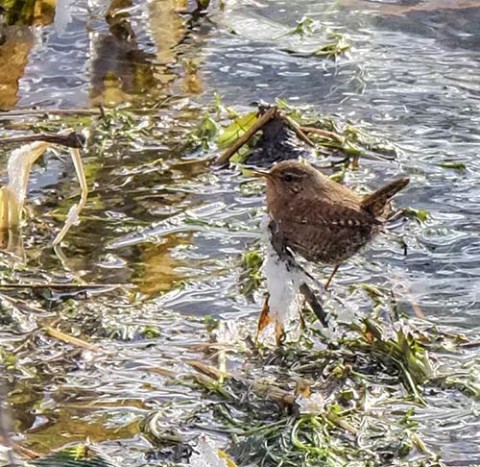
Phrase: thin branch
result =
(299, 132)
(258, 125)
(60, 286)
(61, 336)
(320, 132)
(23, 112)
(208, 370)
(24, 452)
(71, 140)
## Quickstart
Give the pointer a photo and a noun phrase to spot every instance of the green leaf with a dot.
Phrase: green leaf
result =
(453, 165)
(236, 129)
(420, 214)
(305, 26)
(207, 130)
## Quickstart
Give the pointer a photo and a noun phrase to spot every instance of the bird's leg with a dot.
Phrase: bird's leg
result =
(329, 280)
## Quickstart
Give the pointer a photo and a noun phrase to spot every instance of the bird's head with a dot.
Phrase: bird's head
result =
(292, 178)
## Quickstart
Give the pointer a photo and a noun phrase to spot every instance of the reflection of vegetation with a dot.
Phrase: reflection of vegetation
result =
(158, 270)
(120, 68)
(78, 456)
(13, 60)
(29, 12)
(192, 81)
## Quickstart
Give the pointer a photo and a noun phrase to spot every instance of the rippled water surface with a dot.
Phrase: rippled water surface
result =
(412, 76)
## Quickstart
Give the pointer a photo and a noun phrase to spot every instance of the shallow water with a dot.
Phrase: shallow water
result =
(412, 76)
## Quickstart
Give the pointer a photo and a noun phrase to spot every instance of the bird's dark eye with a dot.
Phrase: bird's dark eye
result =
(288, 178)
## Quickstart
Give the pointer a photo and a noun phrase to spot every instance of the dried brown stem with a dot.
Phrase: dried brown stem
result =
(208, 370)
(23, 112)
(61, 336)
(299, 132)
(320, 132)
(470, 345)
(273, 393)
(71, 140)
(258, 125)
(57, 286)
(24, 452)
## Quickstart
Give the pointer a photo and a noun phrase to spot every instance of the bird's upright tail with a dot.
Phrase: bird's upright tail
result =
(376, 202)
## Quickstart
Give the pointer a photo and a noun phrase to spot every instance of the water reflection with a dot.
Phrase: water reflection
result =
(119, 69)
(159, 271)
(122, 58)
(14, 52)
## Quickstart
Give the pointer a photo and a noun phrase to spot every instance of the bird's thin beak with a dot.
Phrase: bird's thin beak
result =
(259, 173)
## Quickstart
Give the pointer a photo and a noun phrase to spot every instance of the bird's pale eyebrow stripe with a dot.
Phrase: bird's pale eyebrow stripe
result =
(292, 174)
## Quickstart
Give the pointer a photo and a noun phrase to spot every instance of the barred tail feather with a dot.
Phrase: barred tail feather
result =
(376, 202)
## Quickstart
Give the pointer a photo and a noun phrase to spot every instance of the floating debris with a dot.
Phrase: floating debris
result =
(205, 454)
(454, 165)
(313, 404)
(12, 196)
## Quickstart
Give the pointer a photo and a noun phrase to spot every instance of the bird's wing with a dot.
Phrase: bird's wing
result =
(325, 232)
(332, 215)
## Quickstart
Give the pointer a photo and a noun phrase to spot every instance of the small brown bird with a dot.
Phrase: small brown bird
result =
(321, 220)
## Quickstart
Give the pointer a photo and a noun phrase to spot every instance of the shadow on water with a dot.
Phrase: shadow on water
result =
(412, 75)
